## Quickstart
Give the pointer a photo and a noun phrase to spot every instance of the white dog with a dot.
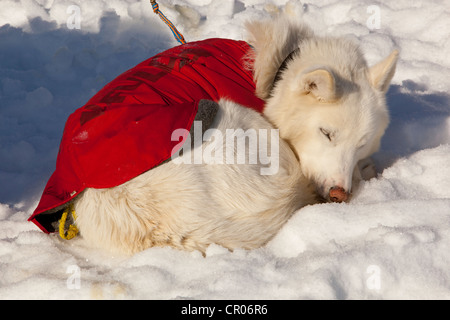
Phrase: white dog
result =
(330, 110)
(326, 102)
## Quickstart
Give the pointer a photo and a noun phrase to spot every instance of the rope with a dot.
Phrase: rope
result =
(178, 36)
(73, 230)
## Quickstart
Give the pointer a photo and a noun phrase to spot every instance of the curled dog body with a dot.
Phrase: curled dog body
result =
(262, 131)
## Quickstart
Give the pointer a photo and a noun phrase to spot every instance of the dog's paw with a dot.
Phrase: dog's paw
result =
(367, 169)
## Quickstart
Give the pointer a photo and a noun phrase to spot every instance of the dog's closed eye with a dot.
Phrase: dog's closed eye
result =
(327, 133)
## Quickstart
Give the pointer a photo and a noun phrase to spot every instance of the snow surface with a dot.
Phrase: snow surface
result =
(390, 242)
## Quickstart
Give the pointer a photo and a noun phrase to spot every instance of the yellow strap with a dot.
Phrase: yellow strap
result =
(73, 230)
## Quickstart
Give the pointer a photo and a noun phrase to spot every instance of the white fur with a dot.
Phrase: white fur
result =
(326, 88)
(189, 206)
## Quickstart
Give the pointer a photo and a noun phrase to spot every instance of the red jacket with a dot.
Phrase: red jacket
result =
(125, 129)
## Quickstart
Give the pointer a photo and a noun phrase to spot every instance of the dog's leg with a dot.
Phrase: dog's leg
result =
(364, 170)
(367, 168)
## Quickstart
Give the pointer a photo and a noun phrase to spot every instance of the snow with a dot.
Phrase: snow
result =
(390, 242)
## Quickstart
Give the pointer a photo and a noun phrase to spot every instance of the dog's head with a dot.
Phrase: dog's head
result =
(326, 102)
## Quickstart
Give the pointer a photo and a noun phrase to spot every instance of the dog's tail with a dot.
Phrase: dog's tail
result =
(273, 40)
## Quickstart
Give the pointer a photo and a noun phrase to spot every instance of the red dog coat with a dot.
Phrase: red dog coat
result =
(125, 129)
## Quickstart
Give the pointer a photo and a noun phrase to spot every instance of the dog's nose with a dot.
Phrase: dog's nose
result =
(338, 194)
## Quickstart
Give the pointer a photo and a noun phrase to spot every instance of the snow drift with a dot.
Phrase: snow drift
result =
(391, 241)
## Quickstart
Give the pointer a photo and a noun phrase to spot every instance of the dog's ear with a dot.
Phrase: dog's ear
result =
(381, 74)
(320, 83)
(273, 40)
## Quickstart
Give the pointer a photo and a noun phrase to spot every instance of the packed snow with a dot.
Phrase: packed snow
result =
(390, 242)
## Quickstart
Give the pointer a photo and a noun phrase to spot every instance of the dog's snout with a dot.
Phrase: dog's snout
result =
(338, 194)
